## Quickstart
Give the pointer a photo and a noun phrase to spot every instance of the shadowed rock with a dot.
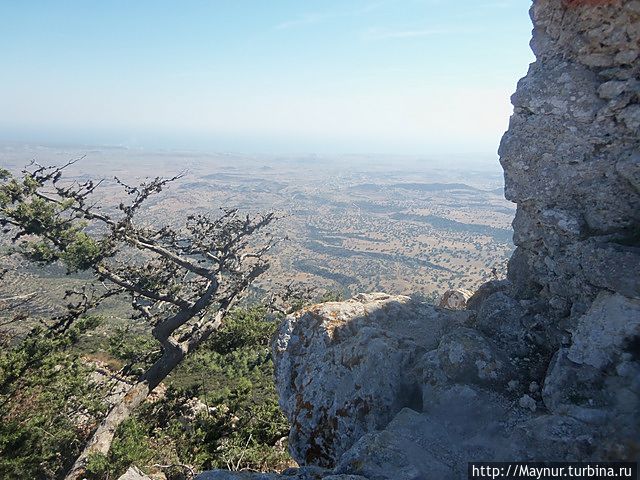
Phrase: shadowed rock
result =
(346, 368)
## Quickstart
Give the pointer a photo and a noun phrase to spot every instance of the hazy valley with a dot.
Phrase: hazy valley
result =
(350, 224)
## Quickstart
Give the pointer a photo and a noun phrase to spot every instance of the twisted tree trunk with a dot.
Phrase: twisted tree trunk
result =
(101, 440)
(193, 276)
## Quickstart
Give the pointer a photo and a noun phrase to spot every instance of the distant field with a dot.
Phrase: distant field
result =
(350, 228)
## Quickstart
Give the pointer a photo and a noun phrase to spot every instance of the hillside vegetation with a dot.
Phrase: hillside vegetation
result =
(218, 410)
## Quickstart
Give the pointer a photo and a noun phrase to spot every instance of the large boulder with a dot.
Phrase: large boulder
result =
(133, 473)
(344, 369)
(301, 473)
(460, 424)
(466, 356)
(350, 373)
(455, 299)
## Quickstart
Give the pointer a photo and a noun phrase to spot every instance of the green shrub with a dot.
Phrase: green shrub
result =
(237, 424)
(48, 405)
(220, 409)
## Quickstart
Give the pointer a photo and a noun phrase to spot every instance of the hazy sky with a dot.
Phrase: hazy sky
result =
(277, 76)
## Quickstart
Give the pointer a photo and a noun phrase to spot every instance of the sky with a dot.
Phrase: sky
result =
(411, 77)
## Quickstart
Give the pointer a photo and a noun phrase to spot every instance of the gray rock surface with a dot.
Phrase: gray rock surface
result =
(466, 356)
(133, 473)
(571, 155)
(455, 299)
(597, 378)
(346, 368)
(302, 473)
(485, 290)
(229, 475)
(604, 331)
(556, 438)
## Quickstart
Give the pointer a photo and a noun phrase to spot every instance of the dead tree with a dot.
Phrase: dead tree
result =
(180, 281)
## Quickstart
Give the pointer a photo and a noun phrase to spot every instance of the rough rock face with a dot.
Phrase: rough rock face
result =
(303, 473)
(133, 473)
(596, 378)
(346, 368)
(389, 387)
(571, 156)
(542, 366)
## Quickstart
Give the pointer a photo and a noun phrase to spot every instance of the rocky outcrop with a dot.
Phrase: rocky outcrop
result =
(383, 387)
(344, 369)
(571, 156)
(596, 378)
(303, 473)
(455, 299)
(390, 387)
(572, 163)
(544, 365)
(133, 473)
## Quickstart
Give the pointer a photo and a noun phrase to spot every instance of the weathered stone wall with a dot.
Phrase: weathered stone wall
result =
(571, 156)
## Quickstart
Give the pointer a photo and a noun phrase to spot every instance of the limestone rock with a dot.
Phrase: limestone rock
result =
(466, 356)
(486, 290)
(461, 424)
(597, 378)
(340, 476)
(455, 299)
(346, 368)
(302, 473)
(629, 169)
(133, 473)
(522, 331)
(556, 438)
(605, 331)
(527, 402)
(500, 317)
(228, 475)
(310, 472)
(401, 452)
(611, 267)
(571, 157)
(574, 390)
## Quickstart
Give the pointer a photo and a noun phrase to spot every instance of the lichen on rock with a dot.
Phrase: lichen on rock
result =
(346, 368)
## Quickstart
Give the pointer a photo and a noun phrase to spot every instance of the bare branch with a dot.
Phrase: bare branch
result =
(109, 275)
(166, 327)
(182, 281)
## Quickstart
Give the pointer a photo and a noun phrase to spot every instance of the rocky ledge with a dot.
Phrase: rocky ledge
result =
(386, 387)
(383, 386)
